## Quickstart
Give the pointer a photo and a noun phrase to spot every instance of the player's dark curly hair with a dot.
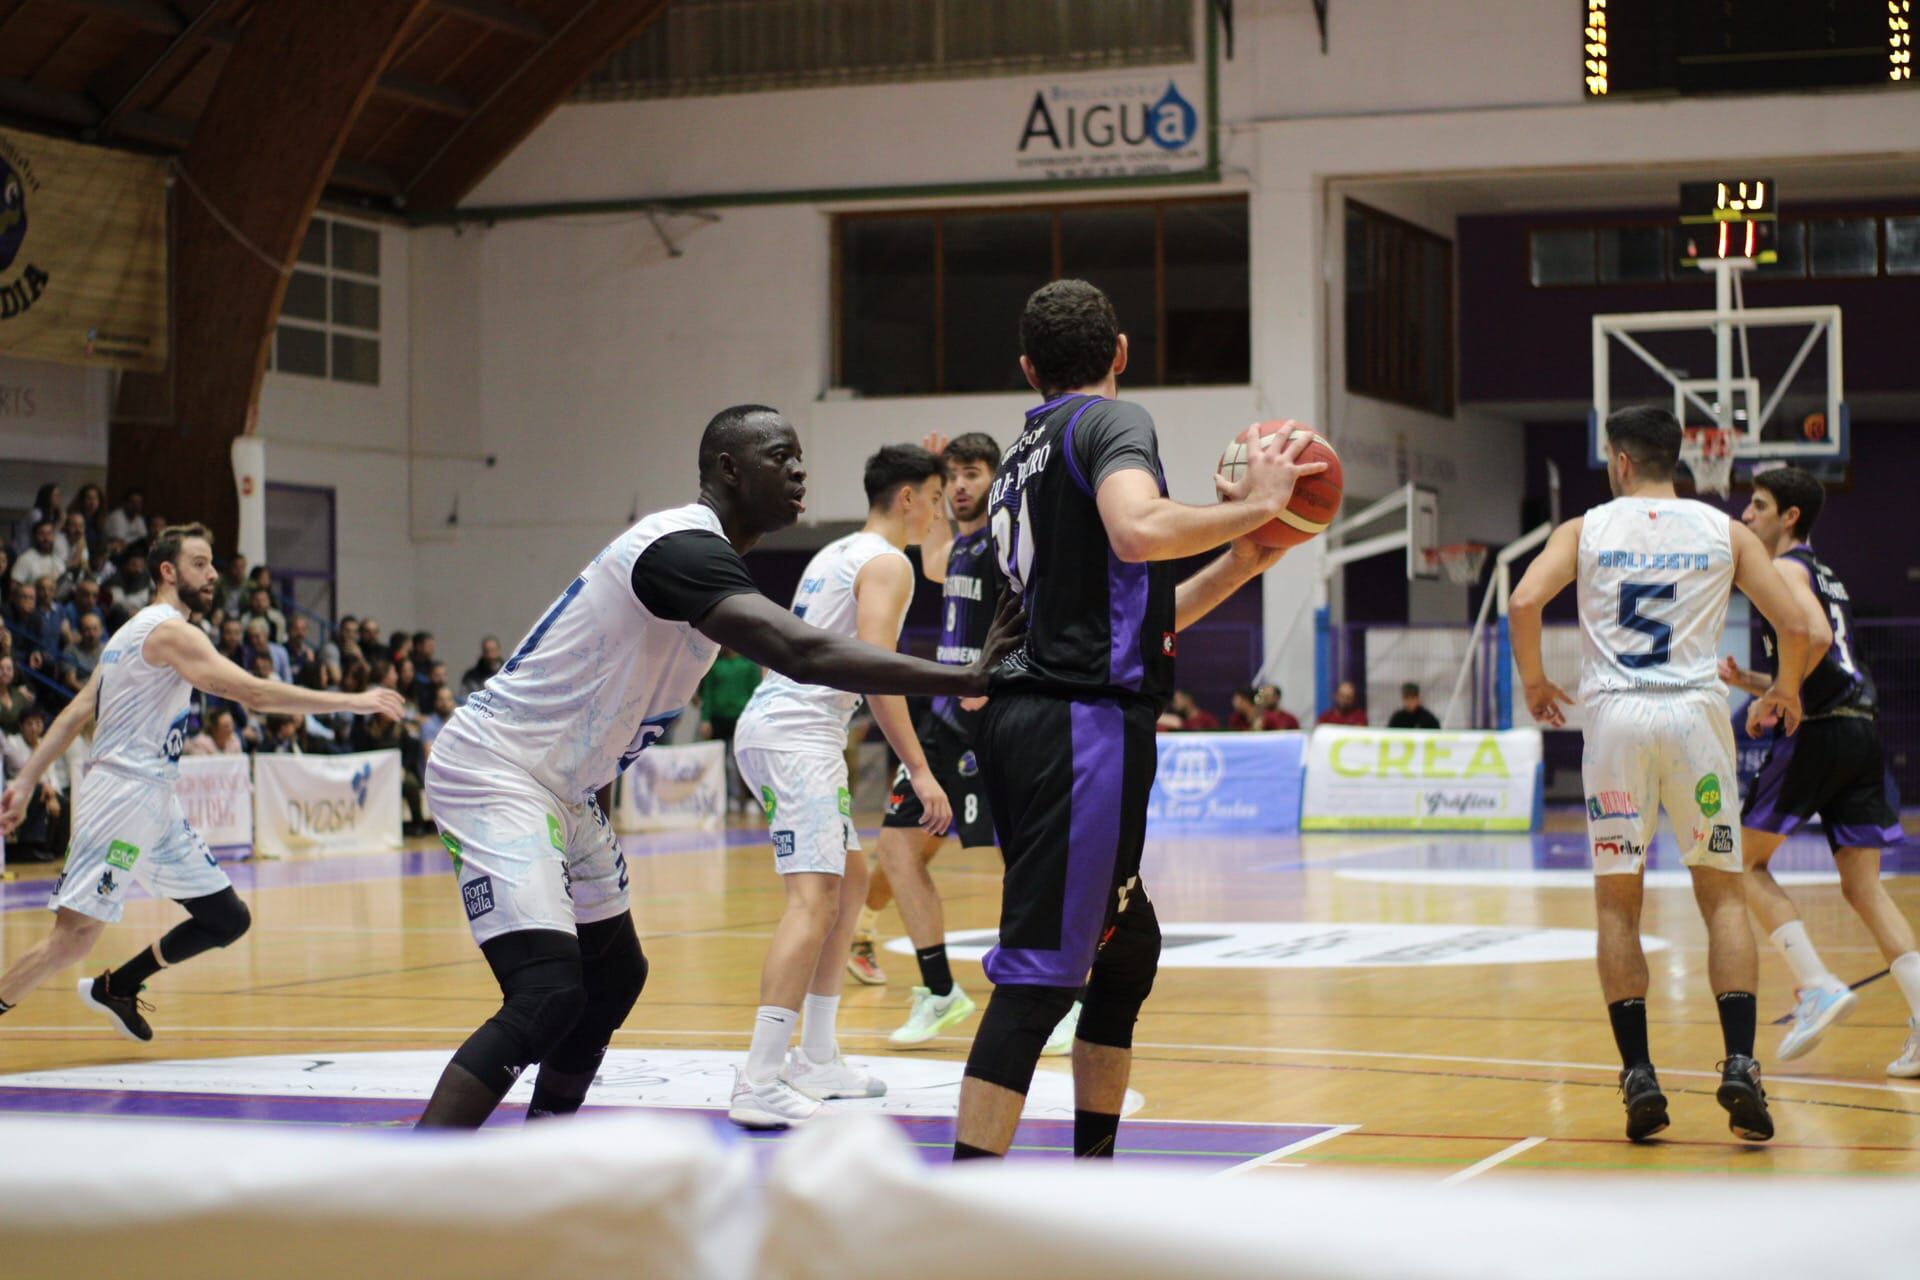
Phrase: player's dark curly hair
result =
(1649, 435)
(1070, 333)
(1792, 487)
(896, 465)
(974, 446)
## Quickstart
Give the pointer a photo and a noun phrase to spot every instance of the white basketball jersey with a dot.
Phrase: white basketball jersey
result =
(140, 717)
(785, 713)
(599, 678)
(1654, 575)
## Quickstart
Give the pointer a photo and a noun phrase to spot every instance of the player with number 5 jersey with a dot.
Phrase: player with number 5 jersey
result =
(1654, 573)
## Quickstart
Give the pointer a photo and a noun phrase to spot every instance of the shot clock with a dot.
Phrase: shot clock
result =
(1728, 218)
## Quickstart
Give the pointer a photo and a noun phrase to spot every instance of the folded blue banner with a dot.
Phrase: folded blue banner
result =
(1231, 784)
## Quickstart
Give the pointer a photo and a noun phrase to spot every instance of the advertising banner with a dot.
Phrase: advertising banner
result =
(326, 804)
(1410, 780)
(1226, 784)
(217, 794)
(674, 789)
(83, 254)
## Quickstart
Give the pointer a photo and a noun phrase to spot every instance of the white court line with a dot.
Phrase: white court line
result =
(1261, 1162)
(1499, 1157)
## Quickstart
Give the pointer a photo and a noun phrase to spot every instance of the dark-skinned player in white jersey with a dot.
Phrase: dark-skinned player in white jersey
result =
(1084, 530)
(602, 675)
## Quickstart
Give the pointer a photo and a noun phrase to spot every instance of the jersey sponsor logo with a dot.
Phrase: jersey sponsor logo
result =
(1168, 644)
(965, 586)
(1706, 794)
(554, 837)
(783, 844)
(1620, 849)
(477, 897)
(1684, 561)
(122, 855)
(768, 803)
(652, 729)
(1612, 804)
(956, 655)
(968, 765)
(176, 738)
(845, 800)
(1722, 839)
(107, 885)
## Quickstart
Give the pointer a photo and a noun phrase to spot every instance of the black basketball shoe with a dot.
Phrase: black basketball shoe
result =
(1746, 1102)
(1646, 1105)
(122, 1010)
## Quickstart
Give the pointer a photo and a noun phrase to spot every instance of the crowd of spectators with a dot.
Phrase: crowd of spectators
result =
(1258, 709)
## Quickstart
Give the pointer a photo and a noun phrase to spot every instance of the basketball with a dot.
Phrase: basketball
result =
(1316, 498)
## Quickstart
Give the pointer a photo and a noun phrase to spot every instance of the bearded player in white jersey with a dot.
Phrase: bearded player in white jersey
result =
(601, 676)
(789, 744)
(1654, 573)
(128, 824)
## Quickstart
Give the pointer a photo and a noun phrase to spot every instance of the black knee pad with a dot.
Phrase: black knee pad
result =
(540, 975)
(1122, 978)
(223, 915)
(1012, 1032)
(615, 972)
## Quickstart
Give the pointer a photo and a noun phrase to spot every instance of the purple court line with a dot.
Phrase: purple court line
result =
(1163, 1141)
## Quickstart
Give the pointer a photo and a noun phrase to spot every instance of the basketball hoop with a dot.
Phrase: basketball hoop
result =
(1460, 561)
(1708, 454)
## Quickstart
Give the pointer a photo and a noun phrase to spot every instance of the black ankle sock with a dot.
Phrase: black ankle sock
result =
(934, 973)
(1094, 1133)
(961, 1151)
(1630, 1030)
(133, 975)
(1738, 1013)
(5, 1007)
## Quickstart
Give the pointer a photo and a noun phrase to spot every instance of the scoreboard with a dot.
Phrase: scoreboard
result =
(1667, 47)
(1728, 218)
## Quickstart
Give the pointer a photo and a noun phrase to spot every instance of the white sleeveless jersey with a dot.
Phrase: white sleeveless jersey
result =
(785, 713)
(599, 678)
(140, 713)
(1654, 576)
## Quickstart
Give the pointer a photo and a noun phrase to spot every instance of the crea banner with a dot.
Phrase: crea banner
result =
(324, 804)
(1414, 780)
(674, 789)
(83, 254)
(1226, 784)
(217, 794)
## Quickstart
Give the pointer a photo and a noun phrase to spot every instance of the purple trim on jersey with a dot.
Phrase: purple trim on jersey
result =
(1050, 405)
(1097, 741)
(1126, 609)
(1864, 835)
(1762, 812)
(1066, 446)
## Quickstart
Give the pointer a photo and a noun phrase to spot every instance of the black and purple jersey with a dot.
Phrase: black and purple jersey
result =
(968, 598)
(1840, 681)
(1097, 626)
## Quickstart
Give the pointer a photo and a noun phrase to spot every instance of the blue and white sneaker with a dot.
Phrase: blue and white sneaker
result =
(1818, 1009)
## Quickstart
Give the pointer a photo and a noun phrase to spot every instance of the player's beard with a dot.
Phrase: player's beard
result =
(966, 515)
(202, 600)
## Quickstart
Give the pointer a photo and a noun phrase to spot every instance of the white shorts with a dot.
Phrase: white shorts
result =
(809, 808)
(524, 857)
(127, 829)
(1646, 750)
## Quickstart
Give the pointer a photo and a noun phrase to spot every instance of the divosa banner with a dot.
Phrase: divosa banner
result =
(1413, 780)
(322, 804)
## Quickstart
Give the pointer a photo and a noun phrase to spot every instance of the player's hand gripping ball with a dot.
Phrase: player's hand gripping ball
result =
(1316, 498)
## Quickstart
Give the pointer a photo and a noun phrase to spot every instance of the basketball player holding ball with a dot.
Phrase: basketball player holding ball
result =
(1084, 532)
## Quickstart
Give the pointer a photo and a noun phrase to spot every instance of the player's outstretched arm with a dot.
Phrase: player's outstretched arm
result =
(183, 647)
(68, 725)
(1142, 526)
(881, 593)
(1755, 573)
(1544, 579)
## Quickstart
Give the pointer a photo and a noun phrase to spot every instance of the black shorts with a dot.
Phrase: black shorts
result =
(1832, 768)
(957, 769)
(1069, 781)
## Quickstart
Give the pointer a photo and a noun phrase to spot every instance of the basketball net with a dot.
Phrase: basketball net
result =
(1708, 453)
(1460, 561)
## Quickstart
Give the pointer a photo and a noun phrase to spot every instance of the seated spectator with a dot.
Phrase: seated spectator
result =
(399, 645)
(299, 648)
(1247, 713)
(260, 606)
(85, 600)
(1346, 708)
(260, 665)
(282, 737)
(1411, 714)
(1184, 715)
(260, 642)
(70, 544)
(423, 649)
(78, 659)
(136, 590)
(438, 714)
(36, 630)
(92, 507)
(346, 639)
(42, 834)
(369, 638)
(1268, 700)
(217, 738)
(15, 696)
(231, 643)
(126, 521)
(430, 687)
(48, 505)
(377, 733)
(231, 592)
(39, 560)
(488, 663)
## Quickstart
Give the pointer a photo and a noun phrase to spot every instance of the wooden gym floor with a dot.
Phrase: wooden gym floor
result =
(1398, 1003)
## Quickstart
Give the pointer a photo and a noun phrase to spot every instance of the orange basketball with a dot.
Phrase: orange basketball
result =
(1316, 498)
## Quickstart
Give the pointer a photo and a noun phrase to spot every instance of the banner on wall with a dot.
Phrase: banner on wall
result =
(323, 804)
(217, 794)
(1226, 784)
(1121, 126)
(83, 254)
(1408, 780)
(674, 789)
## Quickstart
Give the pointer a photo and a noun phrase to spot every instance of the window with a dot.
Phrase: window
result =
(743, 46)
(330, 315)
(930, 302)
(300, 547)
(1633, 255)
(1843, 246)
(1790, 244)
(1399, 299)
(1903, 246)
(1558, 257)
